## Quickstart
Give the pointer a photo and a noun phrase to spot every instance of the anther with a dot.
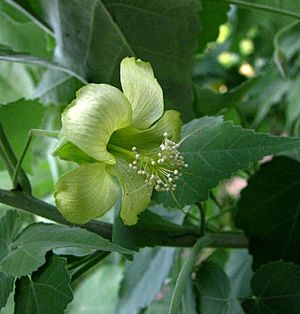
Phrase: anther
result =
(161, 167)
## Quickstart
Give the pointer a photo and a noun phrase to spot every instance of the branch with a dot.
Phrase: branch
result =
(10, 161)
(261, 7)
(35, 206)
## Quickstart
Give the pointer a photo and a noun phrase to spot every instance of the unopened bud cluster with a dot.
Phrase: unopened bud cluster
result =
(162, 168)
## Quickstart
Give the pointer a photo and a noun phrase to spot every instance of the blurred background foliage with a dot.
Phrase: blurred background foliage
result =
(211, 58)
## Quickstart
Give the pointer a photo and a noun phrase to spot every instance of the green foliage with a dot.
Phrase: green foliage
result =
(45, 291)
(102, 26)
(17, 128)
(6, 286)
(15, 28)
(88, 296)
(149, 231)
(210, 102)
(11, 91)
(27, 251)
(275, 289)
(239, 271)
(215, 294)
(143, 278)
(235, 58)
(9, 227)
(213, 150)
(269, 212)
(209, 30)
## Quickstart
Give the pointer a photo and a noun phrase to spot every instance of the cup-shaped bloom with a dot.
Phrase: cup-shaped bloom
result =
(121, 141)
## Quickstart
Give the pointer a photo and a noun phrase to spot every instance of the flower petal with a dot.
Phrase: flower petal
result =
(85, 193)
(143, 92)
(136, 194)
(151, 138)
(89, 121)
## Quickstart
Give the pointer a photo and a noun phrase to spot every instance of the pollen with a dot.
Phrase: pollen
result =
(161, 167)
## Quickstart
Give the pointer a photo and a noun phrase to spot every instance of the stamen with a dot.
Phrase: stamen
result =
(161, 167)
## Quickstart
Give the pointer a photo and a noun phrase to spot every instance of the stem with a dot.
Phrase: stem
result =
(224, 212)
(79, 262)
(10, 161)
(261, 7)
(95, 258)
(30, 204)
(32, 132)
(213, 197)
(202, 218)
(185, 273)
(35, 206)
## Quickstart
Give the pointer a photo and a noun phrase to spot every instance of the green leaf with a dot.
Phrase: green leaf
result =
(261, 25)
(9, 227)
(214, 290)
(210, 102)
(27, 252)
(188, 305)
(268, 212)
(185, 273)
(214, 150)
(6, 287)
(16, 81)
(101, 33)
(293, 108)
(210, 27)
(56, 87)
(89, 297)
(16, 127)
(274, 89)
(21, 34)
(286, 46)
(7, 54)
(46, 291)
(150, 229)
(143, 278)
(276, 289)
(239, 271)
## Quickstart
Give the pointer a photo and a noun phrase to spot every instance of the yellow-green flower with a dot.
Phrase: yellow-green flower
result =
(120, 141)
